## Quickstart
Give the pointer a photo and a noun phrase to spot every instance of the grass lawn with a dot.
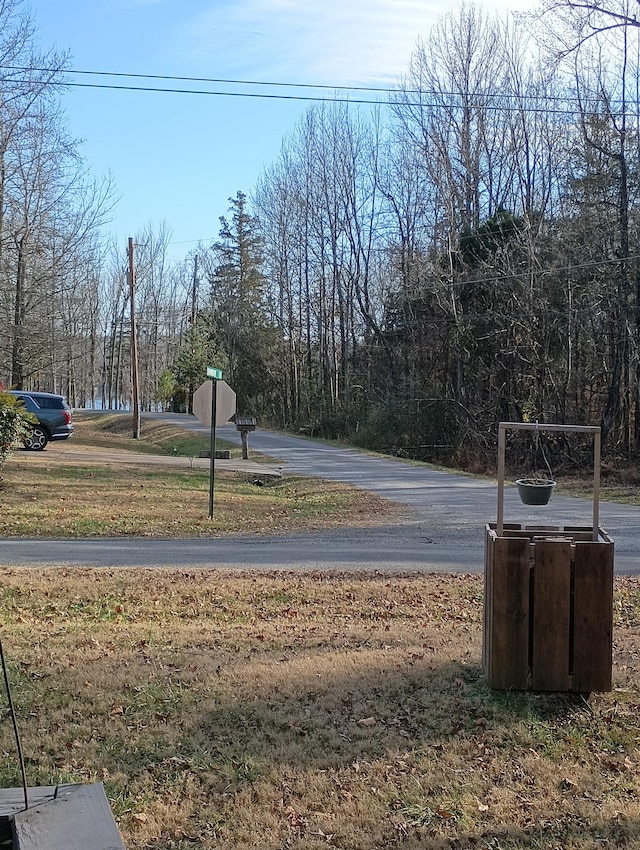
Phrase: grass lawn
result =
(253, 710)
(289, 710)
(42, 495)
(114, 431)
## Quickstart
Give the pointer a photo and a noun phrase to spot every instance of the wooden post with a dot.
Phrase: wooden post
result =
(135, 386)
(596, 483)
(62, 817)
(501, 449)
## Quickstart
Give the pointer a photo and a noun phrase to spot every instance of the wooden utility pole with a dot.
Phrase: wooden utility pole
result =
(135, 387)
(194, 310)
(194, 291)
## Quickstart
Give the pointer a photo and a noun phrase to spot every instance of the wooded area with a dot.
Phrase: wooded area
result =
(405, 275)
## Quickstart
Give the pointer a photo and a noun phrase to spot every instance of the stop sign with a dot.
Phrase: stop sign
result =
(225, 402)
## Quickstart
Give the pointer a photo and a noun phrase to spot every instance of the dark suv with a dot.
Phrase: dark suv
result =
(53, 415)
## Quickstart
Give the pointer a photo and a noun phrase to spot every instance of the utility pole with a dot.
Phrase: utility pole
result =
(194, 291)
(194, 309)
(135, 387)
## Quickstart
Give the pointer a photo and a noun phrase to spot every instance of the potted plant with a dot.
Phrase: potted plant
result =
(535, 491)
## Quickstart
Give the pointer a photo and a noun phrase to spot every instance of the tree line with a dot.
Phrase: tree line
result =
(405, 275)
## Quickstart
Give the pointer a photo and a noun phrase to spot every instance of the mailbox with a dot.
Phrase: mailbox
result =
(246, 423)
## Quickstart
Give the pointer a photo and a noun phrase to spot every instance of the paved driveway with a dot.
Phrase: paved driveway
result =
(442, 529)
(448, 512)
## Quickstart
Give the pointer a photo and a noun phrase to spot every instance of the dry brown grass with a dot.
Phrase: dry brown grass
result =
(77, 500)
(115, 431)
(249, 710)
(48, 495)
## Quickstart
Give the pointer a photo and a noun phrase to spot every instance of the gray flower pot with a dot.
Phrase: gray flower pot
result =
(535, 491)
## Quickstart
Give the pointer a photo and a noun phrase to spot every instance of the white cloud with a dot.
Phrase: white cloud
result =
(333, 42)
(322, 41)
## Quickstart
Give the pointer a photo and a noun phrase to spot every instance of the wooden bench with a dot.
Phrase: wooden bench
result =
(59, 817)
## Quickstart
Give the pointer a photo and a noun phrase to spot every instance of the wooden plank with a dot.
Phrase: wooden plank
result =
(596, 483)
(77, 819)
(542, 426)
(489, 545)
(584, 530)
(551, 616)
(489, 541)
(593, 617)
(500, 506)
(508, 609)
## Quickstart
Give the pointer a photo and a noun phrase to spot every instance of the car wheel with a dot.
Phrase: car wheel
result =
(37, 440)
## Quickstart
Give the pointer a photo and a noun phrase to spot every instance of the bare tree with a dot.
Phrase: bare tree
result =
(596, 46)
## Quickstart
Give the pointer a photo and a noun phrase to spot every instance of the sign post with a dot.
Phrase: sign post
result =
(215, 375)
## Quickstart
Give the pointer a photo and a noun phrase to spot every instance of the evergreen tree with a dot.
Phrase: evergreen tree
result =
(239, 319)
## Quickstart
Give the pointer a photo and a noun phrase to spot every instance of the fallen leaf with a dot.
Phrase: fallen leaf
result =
(444, 813)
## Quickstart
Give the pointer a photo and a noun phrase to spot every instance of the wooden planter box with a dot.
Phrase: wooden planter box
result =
(548, 609)
(548, 614)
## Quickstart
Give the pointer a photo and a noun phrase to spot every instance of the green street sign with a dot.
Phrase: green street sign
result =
(212, 372)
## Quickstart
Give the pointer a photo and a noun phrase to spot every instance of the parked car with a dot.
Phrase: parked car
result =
(53, 415)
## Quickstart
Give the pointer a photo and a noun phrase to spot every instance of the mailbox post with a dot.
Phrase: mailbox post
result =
(245, 424)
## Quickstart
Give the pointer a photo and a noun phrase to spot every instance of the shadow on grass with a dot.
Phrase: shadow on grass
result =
(402, 738)
(425, 728)
(325, 722)
(555, 834)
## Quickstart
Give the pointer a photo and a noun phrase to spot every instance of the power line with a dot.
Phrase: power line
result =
(420, 104)
(427, 97)
(212, 93)
(216, 80)
(312, 99)
(538, 273)
(568, 98)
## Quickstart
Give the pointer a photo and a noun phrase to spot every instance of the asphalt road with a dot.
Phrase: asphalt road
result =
(442, 529)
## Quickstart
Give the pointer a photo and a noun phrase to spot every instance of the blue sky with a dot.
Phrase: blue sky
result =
(177, 158)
